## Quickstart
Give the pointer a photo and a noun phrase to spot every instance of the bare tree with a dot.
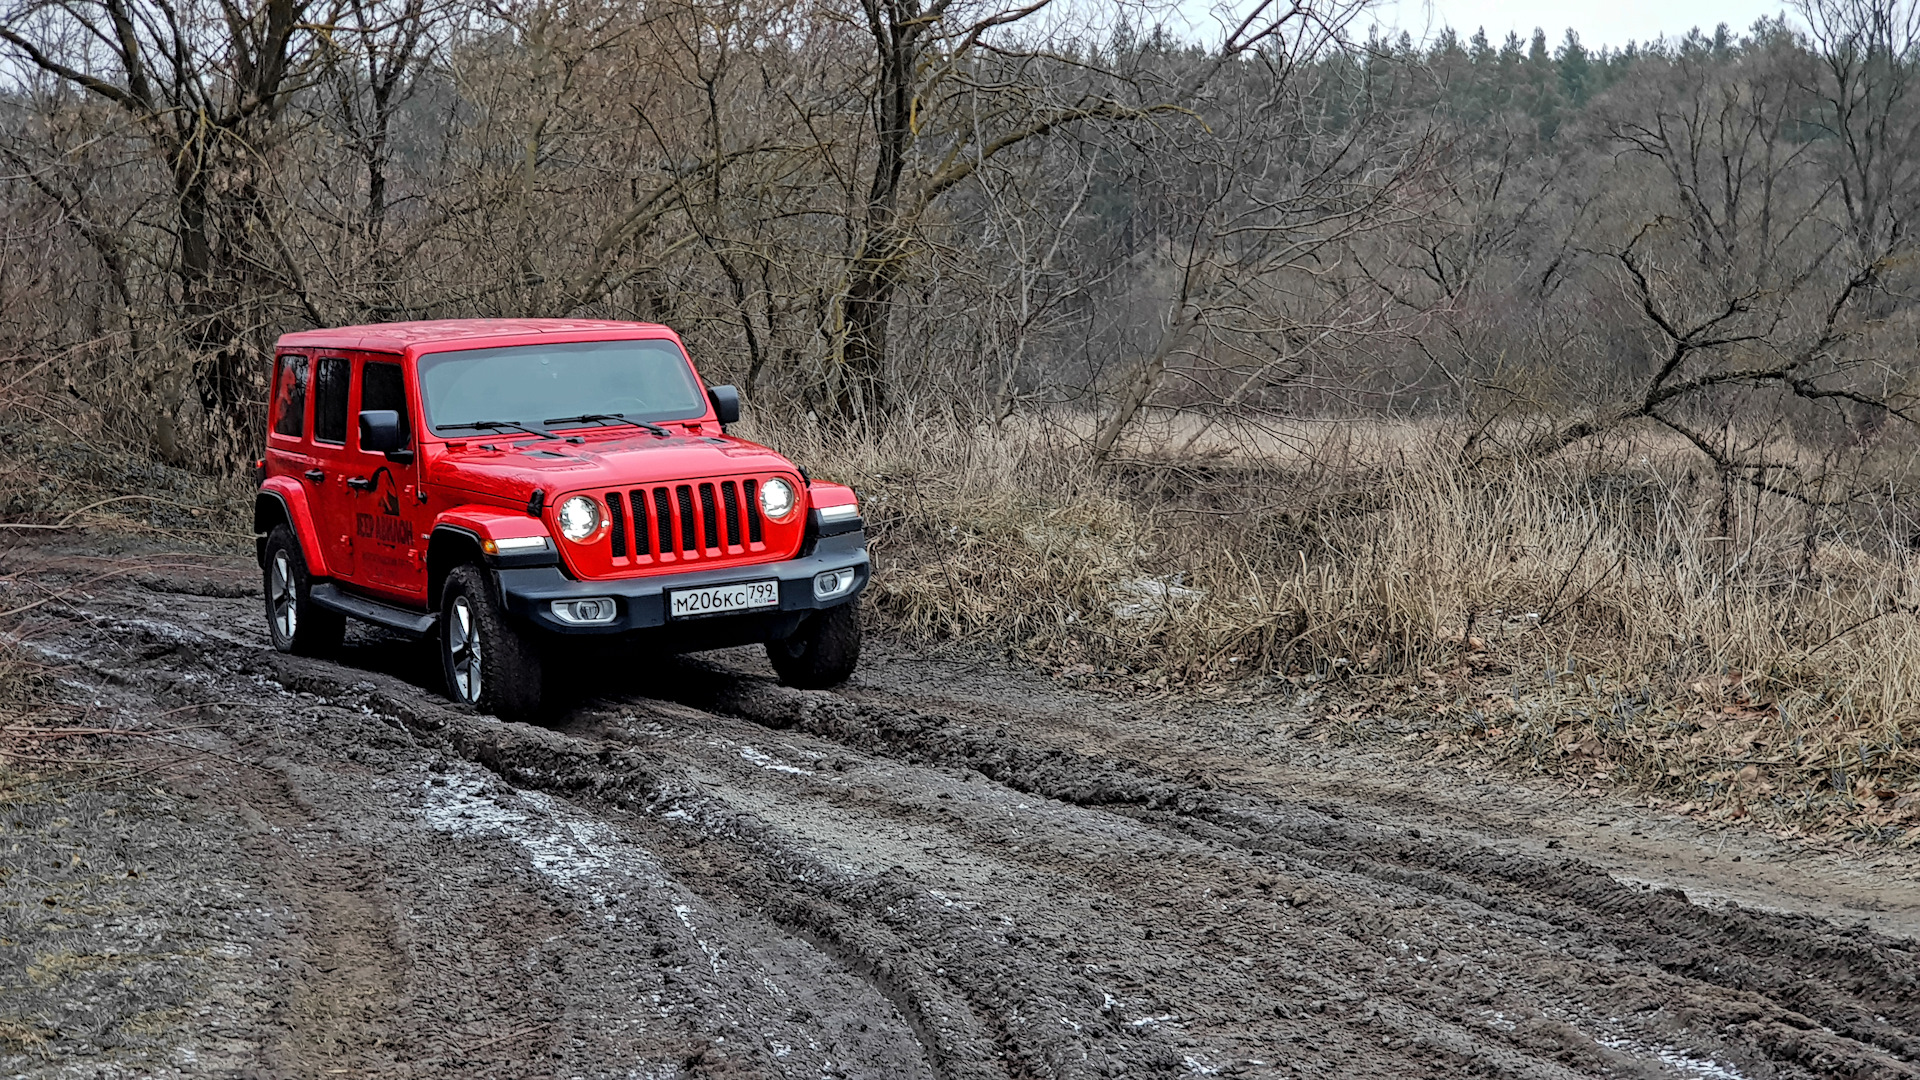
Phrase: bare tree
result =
(1867, 52)
(206, 86)
(1272, 195)
(939, 112)
(1753, 281)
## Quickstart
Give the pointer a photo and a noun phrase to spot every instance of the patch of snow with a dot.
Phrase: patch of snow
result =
(686, 919)
(1674, 1058)
(768, 761)
(1151, 597)
(163, 631)
(948, 901)
(578, 854)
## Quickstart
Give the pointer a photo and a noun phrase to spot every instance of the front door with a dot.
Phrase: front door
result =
(387, 515)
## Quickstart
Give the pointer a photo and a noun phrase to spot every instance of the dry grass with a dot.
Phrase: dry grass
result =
(66, 466)
(48, 479)
(1583, 616)
(26, 695)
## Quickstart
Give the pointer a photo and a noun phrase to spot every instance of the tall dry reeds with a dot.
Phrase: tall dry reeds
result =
(1619, 615)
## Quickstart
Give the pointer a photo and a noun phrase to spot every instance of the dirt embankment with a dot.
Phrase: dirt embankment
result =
(947, 870)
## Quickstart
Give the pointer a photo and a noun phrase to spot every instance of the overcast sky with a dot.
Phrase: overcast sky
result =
(1599, 22)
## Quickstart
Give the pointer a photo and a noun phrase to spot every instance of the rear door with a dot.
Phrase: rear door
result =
(387, 514)
(328, 495)
(287, 447)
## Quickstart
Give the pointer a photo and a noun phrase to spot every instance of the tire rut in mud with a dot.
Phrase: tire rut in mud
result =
(882, 927)
(303, 720)
(1028, 974)
(1797, 982)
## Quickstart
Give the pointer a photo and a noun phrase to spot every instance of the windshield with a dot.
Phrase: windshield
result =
(531, 384)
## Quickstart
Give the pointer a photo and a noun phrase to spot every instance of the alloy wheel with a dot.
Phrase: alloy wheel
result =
(463, 650)
(282, 595)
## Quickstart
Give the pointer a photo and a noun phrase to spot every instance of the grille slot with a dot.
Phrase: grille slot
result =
(618, 519)
(640, 544)
(663, 516)
(709, 518)
(689, 542)
(700, 519)
(752, 490)
(730, 496)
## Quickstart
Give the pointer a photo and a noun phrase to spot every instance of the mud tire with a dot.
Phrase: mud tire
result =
(294, 622)
(823, 652)
(510, 674)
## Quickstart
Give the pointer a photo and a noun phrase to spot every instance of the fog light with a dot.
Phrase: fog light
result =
(834, 583)
(585, 612)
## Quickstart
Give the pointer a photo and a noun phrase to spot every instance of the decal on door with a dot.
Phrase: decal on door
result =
(386, 527)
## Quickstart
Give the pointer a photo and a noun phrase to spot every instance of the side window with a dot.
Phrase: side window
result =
(381, 387)
(290, 397)
(330, 400)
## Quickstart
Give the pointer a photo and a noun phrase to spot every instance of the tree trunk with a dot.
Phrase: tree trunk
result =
(1144, 380)
(862, 388)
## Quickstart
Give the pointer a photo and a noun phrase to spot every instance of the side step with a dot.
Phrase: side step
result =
(411, 623)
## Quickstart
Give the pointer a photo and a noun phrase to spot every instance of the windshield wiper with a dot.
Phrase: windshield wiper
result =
(605, 416)
(480, 424)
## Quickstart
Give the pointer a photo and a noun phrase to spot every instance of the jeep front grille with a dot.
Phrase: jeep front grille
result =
(617, 524)
(710, 519)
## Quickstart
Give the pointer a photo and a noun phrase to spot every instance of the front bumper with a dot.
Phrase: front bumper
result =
(529, 592)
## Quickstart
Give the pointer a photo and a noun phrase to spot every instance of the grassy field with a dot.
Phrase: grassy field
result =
(1614, 615)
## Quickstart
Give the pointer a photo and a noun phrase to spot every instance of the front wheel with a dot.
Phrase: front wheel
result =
(822, 652)
(489, 662)
(294, 622)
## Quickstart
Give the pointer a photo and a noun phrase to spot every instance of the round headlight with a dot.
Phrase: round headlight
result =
(579, 518)
(776, 498)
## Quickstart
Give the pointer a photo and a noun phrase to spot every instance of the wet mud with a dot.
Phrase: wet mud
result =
(946, 869)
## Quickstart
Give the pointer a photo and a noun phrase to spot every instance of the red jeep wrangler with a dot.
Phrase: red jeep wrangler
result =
(509, 484)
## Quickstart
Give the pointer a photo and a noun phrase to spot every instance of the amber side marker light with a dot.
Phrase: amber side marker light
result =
(514, 543)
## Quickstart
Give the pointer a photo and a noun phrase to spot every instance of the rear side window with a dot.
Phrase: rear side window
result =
(330, 400)
(381, 387)
(290, 397)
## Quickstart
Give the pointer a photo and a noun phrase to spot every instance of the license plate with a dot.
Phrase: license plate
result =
(721, 599)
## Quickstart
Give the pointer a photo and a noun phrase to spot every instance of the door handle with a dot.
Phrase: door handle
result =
(316, 475)
(360, 483)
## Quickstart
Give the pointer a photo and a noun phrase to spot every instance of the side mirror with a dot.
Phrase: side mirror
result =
(380, 431)
(726, 404)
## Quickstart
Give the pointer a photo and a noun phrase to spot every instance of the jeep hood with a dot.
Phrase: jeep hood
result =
(519, 466)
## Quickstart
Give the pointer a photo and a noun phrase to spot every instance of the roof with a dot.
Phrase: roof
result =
(397, 336)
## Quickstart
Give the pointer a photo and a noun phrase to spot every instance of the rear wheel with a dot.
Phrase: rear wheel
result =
(823, 652)
(490, 663)
(294, 621)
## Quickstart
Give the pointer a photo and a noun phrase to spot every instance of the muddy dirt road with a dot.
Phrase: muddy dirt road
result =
(946, 870)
